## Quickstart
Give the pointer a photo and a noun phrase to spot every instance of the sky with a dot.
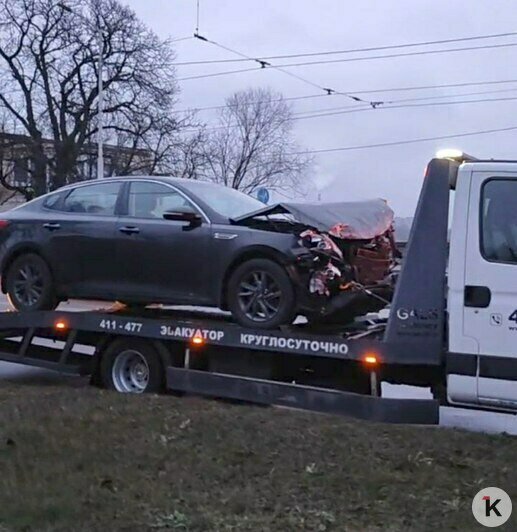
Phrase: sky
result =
(277, 27)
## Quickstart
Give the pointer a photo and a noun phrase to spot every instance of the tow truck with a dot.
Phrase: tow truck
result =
(451, 326)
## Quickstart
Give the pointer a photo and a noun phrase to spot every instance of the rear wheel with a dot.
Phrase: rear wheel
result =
(261, 294)
(30, 285)
(132, 366)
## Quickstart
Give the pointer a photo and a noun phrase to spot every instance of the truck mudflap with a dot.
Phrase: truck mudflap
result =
(367, 407)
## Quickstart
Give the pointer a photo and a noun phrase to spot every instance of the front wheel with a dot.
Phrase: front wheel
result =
(132, 366)
(261, 294)
(30, 285)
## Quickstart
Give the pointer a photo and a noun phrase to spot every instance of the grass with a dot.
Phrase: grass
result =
(80, 459)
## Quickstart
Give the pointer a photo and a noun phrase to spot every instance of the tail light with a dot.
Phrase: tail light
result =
(4, 224)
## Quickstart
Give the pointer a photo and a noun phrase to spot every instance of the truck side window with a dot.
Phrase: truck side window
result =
(499, 220)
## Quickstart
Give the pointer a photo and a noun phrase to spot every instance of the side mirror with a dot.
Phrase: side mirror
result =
(193, 218)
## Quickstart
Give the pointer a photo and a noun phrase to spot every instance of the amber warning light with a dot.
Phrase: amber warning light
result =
(60, 325)
(371, 360)
(198, 340)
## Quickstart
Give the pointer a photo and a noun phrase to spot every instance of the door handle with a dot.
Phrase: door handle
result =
(52, 226)
(129, 230)
(477, 296)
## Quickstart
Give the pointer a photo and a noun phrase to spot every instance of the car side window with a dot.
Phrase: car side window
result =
(52, 201)
(499, 220)
(152, 200)
(99, 199)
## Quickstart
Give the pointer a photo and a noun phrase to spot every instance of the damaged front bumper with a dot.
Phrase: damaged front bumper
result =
(342, 306)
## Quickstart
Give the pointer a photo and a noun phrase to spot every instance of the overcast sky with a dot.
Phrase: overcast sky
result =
(273, 27)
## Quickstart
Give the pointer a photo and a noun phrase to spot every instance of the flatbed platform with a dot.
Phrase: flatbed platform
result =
(208, 354)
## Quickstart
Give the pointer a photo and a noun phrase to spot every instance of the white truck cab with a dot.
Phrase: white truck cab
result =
(482, 285)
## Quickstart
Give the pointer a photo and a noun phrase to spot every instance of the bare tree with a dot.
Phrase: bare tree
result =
(48, 76)
(160, 144)
(254, 146)
(10, 148)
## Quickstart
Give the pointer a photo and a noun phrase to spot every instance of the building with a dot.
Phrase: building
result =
(16, 164)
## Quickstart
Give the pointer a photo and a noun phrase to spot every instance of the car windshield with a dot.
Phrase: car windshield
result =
(225, 201)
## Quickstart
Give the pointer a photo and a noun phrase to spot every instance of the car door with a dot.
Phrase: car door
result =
(163, 260)
(79, 233)
(490, 304)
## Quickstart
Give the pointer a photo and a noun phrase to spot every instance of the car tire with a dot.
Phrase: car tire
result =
(132, 366)
(273, 303)
(29, 284)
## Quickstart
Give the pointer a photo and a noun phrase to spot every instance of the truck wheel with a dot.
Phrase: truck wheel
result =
(261, 294)
(29, 284)
(132, 366)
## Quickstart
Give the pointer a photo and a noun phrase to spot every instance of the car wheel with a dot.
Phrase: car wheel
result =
(261, 294)
(132, 366)
(30, 285)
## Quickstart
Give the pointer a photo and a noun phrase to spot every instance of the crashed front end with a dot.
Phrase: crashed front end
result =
(345, 258)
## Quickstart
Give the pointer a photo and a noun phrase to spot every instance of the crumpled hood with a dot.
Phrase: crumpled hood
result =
(358, 220)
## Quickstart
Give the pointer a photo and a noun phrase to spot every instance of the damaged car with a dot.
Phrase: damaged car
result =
(161, 240)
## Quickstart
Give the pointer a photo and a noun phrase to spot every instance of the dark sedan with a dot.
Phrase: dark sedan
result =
(142, 240)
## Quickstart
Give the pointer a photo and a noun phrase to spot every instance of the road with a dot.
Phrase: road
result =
(474, 420)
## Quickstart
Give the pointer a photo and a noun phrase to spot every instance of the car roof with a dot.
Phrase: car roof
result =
(164, 179)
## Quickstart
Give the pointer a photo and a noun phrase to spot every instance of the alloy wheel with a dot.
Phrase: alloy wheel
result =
(259, 296)
(28, 284)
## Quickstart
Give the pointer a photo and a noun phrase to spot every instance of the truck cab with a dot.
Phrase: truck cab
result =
(481, 286)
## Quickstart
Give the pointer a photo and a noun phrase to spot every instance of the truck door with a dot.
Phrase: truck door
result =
(490, 296)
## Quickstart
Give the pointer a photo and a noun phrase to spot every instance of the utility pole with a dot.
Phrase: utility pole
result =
(100, 87)
(100, 110)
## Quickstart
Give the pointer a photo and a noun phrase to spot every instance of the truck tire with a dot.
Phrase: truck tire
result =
(130, 365)
(29, 284)
(261, 295)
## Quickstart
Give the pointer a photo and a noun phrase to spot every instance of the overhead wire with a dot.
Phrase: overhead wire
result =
(405, 141)
(387, 104)
(391, 56)
(290, 98)
(217, 74)
(363, 108)
(369, 91)
(186, 38)
(403, 106)
(438, 86)
(282, 67)
(370, 105)
(349, 51)
(266, 64)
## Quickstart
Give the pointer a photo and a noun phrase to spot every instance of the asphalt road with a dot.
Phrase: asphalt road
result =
(475, 420)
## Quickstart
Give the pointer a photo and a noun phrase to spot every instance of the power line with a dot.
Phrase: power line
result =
(353, 50)
(371, 91)
(216, 74)
(407, 141)
(347, 110)
(197, 17)
(443, 86)
(265, 64)
(391, 56)
(282, 67)
(386, 104)
(186, 38)
(292, 98)
(363, 108)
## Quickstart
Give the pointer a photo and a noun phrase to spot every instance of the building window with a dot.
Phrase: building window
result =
(21, 172)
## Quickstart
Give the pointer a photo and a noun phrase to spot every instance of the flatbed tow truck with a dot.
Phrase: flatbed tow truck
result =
(452, 325)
